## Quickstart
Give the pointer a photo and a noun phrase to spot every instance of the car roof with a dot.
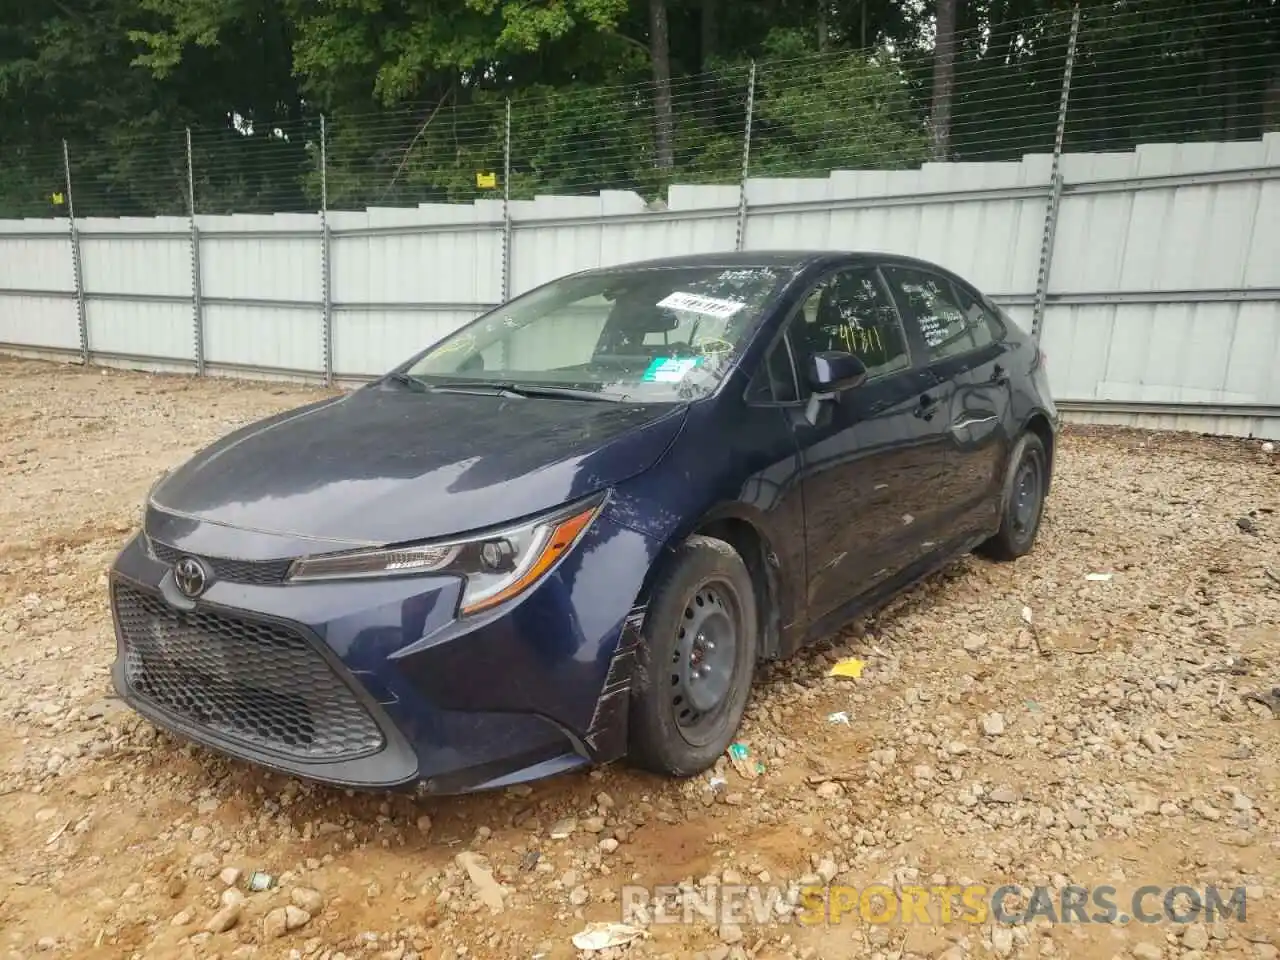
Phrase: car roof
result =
(796, 259)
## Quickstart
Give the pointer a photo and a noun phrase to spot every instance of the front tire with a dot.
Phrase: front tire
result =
(1022, 500)
(696, 660)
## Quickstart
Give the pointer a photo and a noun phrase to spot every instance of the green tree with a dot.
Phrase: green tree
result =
(68, 72)
(415, 92)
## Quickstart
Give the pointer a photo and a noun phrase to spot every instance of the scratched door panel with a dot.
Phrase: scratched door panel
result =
(861, 460)
(863, 464)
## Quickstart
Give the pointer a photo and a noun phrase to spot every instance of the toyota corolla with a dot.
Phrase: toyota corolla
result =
(569, 531)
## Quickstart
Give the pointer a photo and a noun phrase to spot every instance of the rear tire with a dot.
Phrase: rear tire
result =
(1021, 500)
(696, 660)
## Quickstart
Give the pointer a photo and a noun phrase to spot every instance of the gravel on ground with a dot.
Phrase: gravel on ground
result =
(1022, 723)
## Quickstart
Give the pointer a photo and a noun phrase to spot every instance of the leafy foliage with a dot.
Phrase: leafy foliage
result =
(415, 93)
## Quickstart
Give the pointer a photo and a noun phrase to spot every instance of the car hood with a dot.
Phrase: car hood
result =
(390, 465)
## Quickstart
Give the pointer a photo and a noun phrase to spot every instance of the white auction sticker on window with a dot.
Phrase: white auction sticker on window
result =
(694, 303)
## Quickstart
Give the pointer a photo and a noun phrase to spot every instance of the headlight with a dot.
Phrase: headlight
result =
(495, 566)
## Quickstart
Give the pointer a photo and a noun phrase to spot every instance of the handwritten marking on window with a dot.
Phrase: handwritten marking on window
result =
(861, 340)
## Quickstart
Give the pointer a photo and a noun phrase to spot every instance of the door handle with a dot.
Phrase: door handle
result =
(998, 377)
(926, 407)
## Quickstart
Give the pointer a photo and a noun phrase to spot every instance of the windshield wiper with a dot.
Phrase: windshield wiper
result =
(405, 380)
(524, 390)
(478, 386)
(568, 393)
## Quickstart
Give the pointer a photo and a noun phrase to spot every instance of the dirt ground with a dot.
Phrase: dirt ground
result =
(1110, 741)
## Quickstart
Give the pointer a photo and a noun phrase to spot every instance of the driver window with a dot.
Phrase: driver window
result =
(851, 311)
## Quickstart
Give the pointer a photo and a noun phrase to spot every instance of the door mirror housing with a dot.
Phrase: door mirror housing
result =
(835, 371)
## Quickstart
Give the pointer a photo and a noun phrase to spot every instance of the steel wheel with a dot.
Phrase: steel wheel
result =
(704, 658)
(1022, 500)
(1028, 492)
(696, 659)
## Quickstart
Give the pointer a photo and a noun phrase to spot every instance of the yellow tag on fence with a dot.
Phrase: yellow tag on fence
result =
(486, 181)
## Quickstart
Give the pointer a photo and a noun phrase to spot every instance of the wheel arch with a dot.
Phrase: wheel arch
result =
(737, 525)
(1038, 422)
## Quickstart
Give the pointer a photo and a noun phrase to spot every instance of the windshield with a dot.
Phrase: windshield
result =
(645, 334)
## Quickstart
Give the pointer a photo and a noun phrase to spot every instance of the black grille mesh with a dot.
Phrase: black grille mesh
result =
(233, 571)
(252, 683)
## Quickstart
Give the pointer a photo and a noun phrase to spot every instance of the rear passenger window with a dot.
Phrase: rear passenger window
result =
(950, 322)
(974, 308)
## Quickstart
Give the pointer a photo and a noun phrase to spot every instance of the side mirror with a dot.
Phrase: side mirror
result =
(834, 371)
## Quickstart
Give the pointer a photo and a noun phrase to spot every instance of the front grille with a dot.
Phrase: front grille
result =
(255, 684)
(233, 571)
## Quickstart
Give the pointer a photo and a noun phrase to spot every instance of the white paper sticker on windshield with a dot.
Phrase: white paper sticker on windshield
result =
(694, 303)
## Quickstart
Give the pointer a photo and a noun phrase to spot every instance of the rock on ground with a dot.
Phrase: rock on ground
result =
(1104, 736)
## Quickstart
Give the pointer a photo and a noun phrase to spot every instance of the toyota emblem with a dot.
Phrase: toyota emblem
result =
(190, 576)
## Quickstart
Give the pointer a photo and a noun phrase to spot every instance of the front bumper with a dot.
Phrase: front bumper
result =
(373, 683)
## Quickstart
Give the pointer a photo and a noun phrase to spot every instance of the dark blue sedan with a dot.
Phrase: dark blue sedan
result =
(570, 530)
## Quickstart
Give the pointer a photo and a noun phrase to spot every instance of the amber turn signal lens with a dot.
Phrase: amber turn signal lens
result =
(561, 538)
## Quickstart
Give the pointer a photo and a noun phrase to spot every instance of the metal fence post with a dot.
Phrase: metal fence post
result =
(197, 306)
(1055, 186)
(325, 279)
(77, 270)
(746, 160)
(506, 206)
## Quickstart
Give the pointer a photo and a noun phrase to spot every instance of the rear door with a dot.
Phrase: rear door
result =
(965, 355)
(983, 435)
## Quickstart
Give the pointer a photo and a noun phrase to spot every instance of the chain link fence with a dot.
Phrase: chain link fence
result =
(1139, 75)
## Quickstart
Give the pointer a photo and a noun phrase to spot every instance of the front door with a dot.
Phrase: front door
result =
(864, 471)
